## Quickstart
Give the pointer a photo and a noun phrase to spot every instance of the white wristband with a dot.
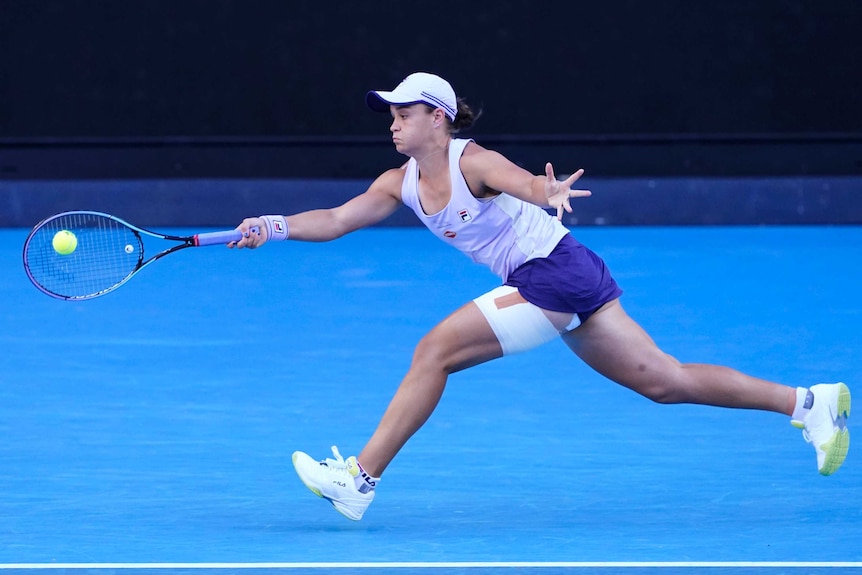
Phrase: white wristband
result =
(276, 228)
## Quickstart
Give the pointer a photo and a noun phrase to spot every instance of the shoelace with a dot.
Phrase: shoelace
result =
(337, 463)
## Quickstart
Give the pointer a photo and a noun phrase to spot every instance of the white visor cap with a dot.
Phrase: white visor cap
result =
(420, 87)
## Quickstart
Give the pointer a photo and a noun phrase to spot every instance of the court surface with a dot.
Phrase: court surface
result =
(150, 430)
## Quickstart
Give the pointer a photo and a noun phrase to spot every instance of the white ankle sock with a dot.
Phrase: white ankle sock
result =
(364, 482)
(804, 402)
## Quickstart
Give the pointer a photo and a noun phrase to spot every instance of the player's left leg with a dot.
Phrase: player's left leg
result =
(618, 348)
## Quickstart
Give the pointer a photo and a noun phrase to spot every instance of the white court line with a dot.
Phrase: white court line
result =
(448, 565)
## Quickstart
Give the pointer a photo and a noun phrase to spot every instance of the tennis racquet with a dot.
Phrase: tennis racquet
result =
(108, 252)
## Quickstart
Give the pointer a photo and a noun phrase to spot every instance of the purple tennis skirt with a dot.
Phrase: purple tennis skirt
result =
(572, 279)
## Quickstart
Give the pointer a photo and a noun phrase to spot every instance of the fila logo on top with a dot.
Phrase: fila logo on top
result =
(464, 215)
(276, 225)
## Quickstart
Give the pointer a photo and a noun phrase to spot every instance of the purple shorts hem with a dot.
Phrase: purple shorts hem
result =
(572, 279)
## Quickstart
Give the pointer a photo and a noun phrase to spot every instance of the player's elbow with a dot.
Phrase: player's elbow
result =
(338, 225)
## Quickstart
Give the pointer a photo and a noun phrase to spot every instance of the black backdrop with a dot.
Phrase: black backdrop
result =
(285, 68)
(189, 112)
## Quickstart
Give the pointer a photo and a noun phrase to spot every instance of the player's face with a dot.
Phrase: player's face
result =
(411, 128)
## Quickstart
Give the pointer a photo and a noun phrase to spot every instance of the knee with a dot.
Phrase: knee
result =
(665, 384)
(431, 353)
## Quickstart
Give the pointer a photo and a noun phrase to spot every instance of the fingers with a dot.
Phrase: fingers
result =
(567, 183)
(564, 189)
(243, 243)
(253, 234)
(573, 178)
(549, 173)
(564, 205)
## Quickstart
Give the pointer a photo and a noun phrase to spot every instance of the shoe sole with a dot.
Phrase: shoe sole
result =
(317, 492)
(839, 444)
(836, 452)
(843, 401)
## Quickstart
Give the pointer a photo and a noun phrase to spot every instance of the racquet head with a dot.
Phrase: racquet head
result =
(107, 253)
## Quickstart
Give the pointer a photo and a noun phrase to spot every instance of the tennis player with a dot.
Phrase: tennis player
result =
(552, 286)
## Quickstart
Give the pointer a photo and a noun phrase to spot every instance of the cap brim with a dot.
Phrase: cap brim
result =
(380, 101)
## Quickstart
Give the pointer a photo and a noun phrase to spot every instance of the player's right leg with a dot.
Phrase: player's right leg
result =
(462, 340)
(336, 481)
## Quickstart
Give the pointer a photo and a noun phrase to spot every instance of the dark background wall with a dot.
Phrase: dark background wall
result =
(250, 68)
(99, 89)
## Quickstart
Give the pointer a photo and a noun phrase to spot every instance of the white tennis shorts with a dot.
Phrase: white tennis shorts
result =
(518, 324)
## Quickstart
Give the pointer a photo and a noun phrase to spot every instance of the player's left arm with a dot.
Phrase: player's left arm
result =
(492, 171)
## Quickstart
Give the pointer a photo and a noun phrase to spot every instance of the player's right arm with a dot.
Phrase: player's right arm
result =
(377, 203)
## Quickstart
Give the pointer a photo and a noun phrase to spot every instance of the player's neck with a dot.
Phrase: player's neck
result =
(434, 157)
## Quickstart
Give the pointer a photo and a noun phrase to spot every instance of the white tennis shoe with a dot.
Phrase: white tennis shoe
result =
(825, 425)
(334, 480)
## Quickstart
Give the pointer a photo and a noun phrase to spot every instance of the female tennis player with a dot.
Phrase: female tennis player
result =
(552, 286)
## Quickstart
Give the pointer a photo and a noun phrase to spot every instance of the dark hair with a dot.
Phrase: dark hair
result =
(464, 119)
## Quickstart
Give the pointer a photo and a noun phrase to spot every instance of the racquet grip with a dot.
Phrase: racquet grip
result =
(217, 238)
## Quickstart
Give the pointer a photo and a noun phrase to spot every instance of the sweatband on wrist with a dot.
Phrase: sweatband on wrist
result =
(276, 228)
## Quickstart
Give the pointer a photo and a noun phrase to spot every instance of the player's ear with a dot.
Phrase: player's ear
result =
(439, 116)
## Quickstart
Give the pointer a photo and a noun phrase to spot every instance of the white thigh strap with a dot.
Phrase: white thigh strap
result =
(518, 324)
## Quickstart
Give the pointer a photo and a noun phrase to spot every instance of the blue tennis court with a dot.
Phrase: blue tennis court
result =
(151, 429)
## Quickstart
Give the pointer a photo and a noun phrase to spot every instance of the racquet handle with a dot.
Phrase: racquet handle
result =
(216, 238)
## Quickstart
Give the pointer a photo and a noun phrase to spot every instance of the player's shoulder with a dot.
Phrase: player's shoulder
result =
(478, 159)
(393, 175)
(475, 153)
(472, 149)
(389, 182)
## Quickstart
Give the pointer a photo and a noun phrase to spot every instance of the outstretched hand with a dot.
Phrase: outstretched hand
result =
(559, 192)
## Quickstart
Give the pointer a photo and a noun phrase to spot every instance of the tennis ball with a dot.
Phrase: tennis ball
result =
(64, 242)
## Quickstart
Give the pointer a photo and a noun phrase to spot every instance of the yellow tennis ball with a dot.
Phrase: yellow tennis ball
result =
(64, 242)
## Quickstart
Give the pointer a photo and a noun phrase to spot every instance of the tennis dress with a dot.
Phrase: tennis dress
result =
(522, 243)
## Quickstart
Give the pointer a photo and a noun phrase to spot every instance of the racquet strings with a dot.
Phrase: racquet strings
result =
(100, 261)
